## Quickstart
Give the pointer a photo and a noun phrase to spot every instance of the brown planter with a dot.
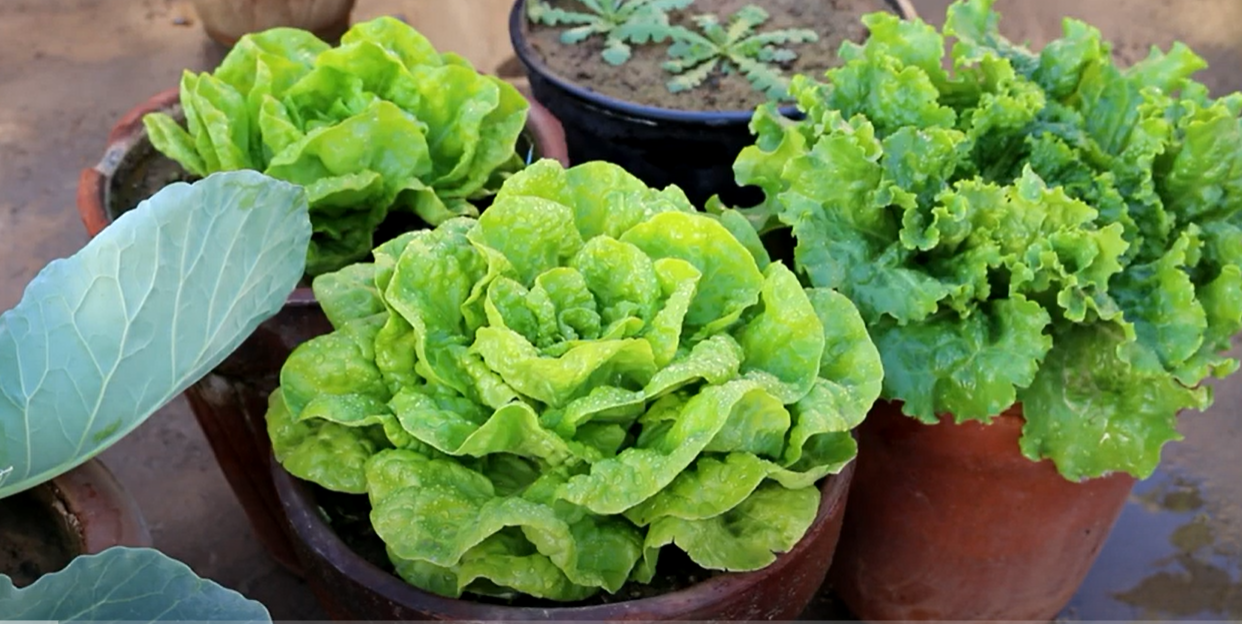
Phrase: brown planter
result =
(351, 588)
(82, 512)
(230, 402)
(951, 522)
(226, 21)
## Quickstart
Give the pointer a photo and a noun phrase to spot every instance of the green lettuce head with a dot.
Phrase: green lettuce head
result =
(383, 122)
(1047, 229)
(539, 400)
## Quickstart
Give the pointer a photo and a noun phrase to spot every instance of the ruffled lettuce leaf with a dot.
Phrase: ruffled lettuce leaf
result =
(322, 451)
(769, 521)
(349, 294)
(438, 510)
(538, 400)
(1134, 411)
(381, 123)
(994, 212)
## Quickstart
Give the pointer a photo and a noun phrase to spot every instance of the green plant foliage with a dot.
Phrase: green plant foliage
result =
(127, 585)
(735, 47)
(620, 22)
(381, 123)
(104, 338)
(1048, 229)
(539, 400)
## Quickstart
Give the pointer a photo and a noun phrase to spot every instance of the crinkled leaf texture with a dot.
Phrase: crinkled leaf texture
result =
(539, 400)
(127, 585)
(381, 123)
(104, 338)
(1047, 229)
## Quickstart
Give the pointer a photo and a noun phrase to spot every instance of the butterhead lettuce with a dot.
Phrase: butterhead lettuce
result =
(382, 122)
(539, 400)
(1048, 229)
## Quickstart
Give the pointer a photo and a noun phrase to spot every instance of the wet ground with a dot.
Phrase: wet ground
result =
(70, 68)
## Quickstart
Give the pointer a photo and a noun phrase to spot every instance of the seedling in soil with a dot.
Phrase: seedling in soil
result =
(621, 22)
(738, 47)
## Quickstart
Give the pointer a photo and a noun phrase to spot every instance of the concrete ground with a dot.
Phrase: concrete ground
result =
(70, 68)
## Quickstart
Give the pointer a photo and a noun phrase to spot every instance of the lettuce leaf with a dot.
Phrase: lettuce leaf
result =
(771, 520)
(1043, 228)
(381, 123)
(538, 400)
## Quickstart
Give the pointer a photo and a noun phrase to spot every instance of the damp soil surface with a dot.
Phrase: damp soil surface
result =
(142, 174)
(31, 540)
(642, 79)
(349, 517)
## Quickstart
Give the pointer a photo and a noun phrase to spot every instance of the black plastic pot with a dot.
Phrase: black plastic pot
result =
(693, 149)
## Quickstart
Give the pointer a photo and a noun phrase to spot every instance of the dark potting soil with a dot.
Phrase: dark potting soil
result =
(31, 540)
(642, 80)
(349, 517)
(142, 174)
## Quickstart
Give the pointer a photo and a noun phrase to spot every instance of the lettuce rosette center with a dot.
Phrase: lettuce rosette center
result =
(537, 401)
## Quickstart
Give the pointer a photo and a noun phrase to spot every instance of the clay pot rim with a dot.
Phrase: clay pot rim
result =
(1008, 417)
(129, 132)
(526, 54)
(92, 509)
(309, 527)
(91, 494)
(1001, 433)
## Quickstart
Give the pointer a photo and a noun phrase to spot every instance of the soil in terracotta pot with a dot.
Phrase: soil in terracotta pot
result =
(642, 79)
(142, 174)
(349, 517)
(31, 542)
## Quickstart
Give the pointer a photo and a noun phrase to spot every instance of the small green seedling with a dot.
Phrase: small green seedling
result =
(621, 22)
(735, 48)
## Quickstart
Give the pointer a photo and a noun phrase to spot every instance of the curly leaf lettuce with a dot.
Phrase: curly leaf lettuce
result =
(381, 123)
(539, 400)
(1039, 228)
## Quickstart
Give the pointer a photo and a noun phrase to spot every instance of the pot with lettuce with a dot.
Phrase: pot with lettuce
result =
(588, 388)
(1046, 248)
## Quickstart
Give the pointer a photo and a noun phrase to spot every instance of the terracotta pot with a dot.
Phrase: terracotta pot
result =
(82, 512)
(951, 522)
(227, 20)
(230, 402)
(351, 588)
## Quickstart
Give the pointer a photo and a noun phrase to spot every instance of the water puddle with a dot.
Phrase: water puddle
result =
(1176, 552)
